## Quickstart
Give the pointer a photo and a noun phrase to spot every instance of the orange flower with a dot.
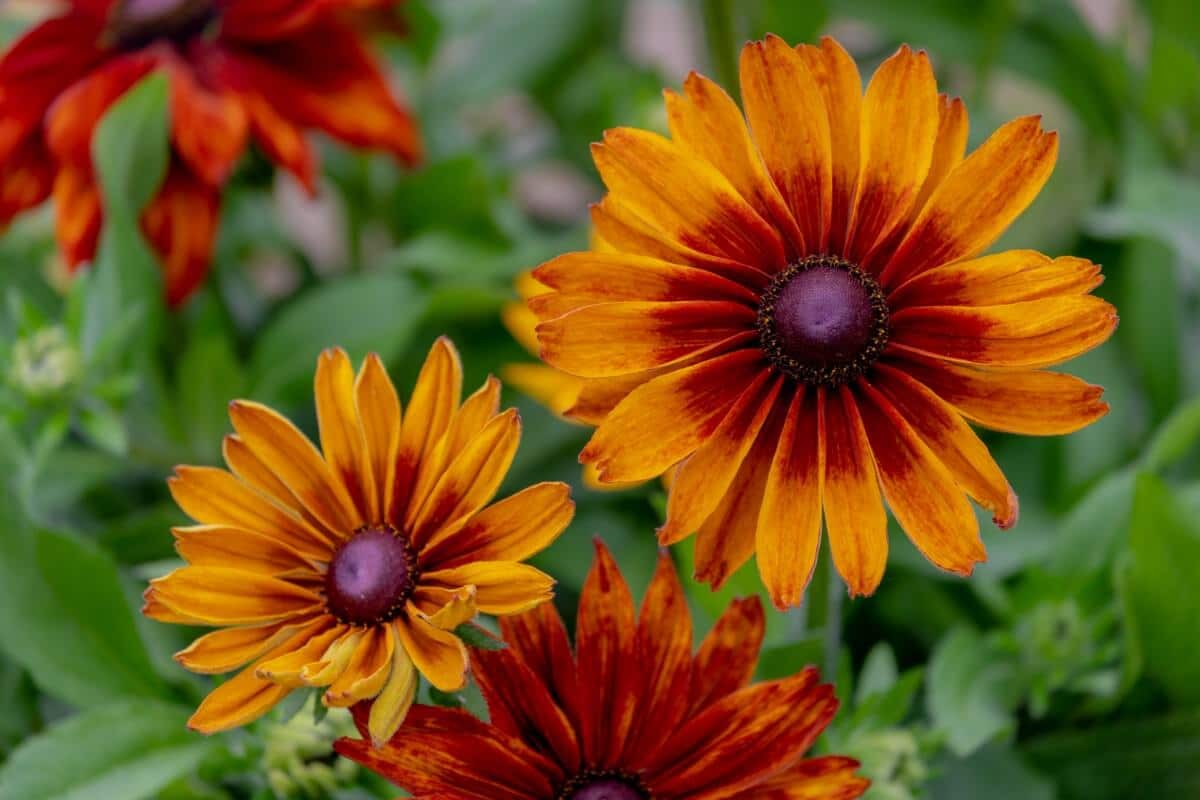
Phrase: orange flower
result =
(239, 70)
(800, 317)
(351, 568)
(633, 715)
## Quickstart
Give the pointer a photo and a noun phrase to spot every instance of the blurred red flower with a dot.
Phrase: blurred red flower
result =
(239, 70)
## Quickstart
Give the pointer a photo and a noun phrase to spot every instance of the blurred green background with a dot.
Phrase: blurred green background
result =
(1068, 667)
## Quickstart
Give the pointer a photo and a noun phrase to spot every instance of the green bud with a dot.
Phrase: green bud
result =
(44, 363)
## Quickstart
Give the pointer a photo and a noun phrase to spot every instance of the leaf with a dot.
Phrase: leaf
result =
(1164, 543)
(127, 750)
(1156, 202)
(1090, 534)
(1157, 757)
(362, 313)
(970, 691)
(880, 710)
(1152, 321)
(474, 636)
(879, 672)
(991, 773)
(103, 427)
(444, 699)
(1175, 439)
(209, 375)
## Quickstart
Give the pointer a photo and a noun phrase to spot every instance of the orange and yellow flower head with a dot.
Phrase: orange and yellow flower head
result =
(631, 713)
(240, 71)
(350, 567)
(798, 315)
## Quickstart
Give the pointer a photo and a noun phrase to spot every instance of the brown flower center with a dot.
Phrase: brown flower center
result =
(136, 23)
(371, 576)
(823, 321)
(604, 785)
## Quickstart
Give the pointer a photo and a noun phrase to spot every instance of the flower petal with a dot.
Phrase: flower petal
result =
(288, 669)
(791, 127)
(899, 127)
(977, 200)
(77, 215)
(728, 656)
(26, 179)
(948, 149)
(439, 655)
(539, 638)
(394, 700)
(685, 197)
(952, 441)
(928, 504)
(342, 438)
(72, 120)
(662, 422)
(854, 517)
(501, 587)
(434, 400)
(181, 224)
(1014, 276)
(379, 413)
(1035, 333)
(229, 648)
(209, 128)
(789, 522)
(1034, 403)
(222, 596)
(237, 548)
(368, 670)
(824, 778)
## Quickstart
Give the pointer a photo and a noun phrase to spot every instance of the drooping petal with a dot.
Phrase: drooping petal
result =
(824, 778)
(209, 127)
(921, 492)
(77, 217)
(1014, 276)
(707, 122)
(439, 655)
(791, 127)
(266, 20)
(610, 339)
(395, 699)
(604, 650)
(899, 128)
(1034, 333)
(952, 441)
(854, 515)
(71, 121)
(662, 422)
(1034, 403)
(289, 669)
(789, 522)
(685, 197)
(837, 77)
(978, 200)
(728, 656)
(223, 596)
(281, 140)
(26, 179)
(368, 670)
(333, 663)
(181, 224)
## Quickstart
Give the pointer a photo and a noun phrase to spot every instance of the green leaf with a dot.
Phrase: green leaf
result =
(1155, 201)
(1150, 758)
(970, 691)
(130, 148)
(1164, 542)
(209, 375)
(361, 314)
(1175, 439)
(127, 750)
(445, 699)
(880, 710)
(991, 773)
(1151, 304)
(474, 636)
(878, 674)
(103, 427)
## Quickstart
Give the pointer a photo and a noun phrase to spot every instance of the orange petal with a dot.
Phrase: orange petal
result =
(501, 587)
(342, 438)
(977, 200)
(236, 548)
(457, 609)
(252, 470)
(952, 441)
(209, 128)
(281, 140)
(287, 669)
(512, 529)
(181, 225)
(685, 197)
(1031, 402)
(616, 338)
(928, 504)
(791, 127)
(555, 390)
(899, 127)
(726, 540)
(394, 700)
(434, 400)
(1035, 333)
(214, 497)
(664, 421)
(728, 656)
(368, 669)
(948, 149)
(707, 122)
(229, 648)
(837, 77)
(77, 215)
(379, 413)
(439, 655)
(470, 482)
(26, 179)
(789, 523)
(824, 778)
(1013, 276)
(72, 119)
(604, 650)
(335, 660)
(854, 517)
(599, 396)
(222, 596)
(539, 639)
(615, 222)
(704, 478)
(297, 463)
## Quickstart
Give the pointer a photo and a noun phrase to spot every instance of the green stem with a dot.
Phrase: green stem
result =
(721, 35)
(835, 593)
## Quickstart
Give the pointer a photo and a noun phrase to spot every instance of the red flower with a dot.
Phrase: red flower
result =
(633, 714)
(239, 70)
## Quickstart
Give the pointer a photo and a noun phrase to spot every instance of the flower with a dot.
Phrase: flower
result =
(800, 318)
(239, 70)
(554, 389)
(633, 715)
(351, 567)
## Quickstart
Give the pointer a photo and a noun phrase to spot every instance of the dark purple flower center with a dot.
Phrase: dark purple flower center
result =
(370, 577)
(136, 23)
(823, 321)
(604, 785)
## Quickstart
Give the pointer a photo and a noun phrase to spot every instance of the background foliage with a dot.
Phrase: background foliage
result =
(1067, 668)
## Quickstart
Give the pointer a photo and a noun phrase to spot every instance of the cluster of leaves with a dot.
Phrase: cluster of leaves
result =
(1066, 668)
